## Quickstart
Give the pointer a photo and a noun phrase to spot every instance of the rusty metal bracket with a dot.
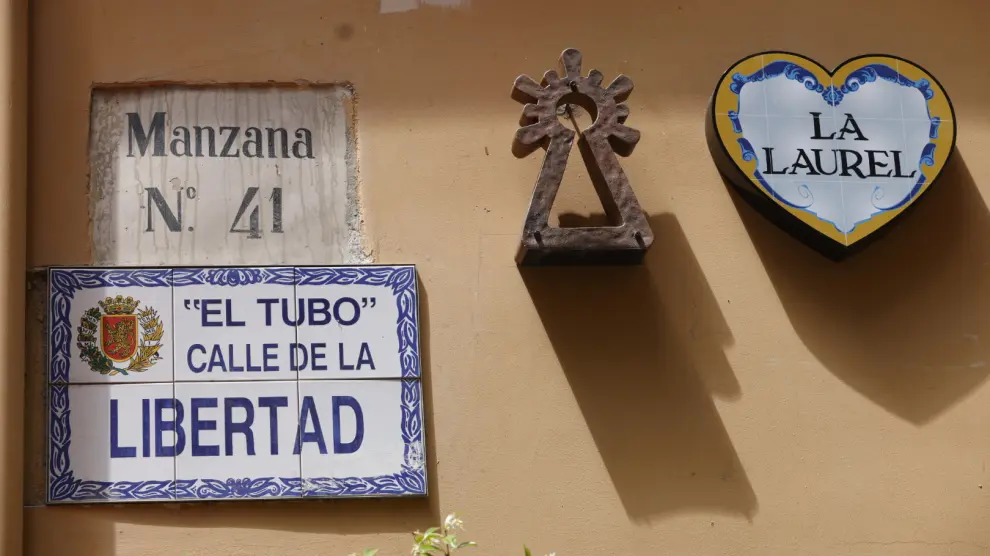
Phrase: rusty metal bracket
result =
(629, 236)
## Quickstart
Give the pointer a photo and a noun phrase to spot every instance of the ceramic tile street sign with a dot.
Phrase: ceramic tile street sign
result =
(832, 157)
(234, 383)
(224, 175)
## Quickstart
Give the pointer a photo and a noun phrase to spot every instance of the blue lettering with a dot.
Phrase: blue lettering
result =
(318, 355)
(268, 309)
(205, 305)
(292, 357)
(307, 412)
(364, 358)
(285, 314)
(268, 357)
(230, 427)
(343, 366)
(250, 368)
(161, 426)
(323, 309)
(202, 425)
(273, 403)
(216, 359)
(230, 316)
(116, 450)
(230, 359)
(192, 366)
(356, 309)
(355, 443)
(146, 433)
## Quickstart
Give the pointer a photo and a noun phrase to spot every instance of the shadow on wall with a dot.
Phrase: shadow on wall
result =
(906, 322)
(642, 348)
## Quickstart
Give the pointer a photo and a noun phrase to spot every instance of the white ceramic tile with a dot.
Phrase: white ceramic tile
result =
(896, 161)
(790, 97)
(117, 439)
(917, 136)
(914, 104)
(118, 341)
(358, 322)
(234, 324)
(357, 437)
(752, 99)
(802, 163)
(361, 437)
(239, 440)
(880, 99)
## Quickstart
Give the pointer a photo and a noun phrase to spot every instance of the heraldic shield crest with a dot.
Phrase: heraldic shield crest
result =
(119, 338)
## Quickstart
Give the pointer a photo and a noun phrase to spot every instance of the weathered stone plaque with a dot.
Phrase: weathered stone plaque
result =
(224, 175)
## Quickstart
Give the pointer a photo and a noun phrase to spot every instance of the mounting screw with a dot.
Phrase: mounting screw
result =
(639, 240)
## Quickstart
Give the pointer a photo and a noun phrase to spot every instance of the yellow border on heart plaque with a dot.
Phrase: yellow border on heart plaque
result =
(939, 105)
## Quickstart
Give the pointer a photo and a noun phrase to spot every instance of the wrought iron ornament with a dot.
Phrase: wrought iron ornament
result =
(629, 236)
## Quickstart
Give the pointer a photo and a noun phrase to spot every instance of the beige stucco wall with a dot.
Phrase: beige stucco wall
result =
(738, 394)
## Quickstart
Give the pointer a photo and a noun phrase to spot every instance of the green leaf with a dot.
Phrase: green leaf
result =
(370, 551)
(426, 538)
(527, 550)
(466, 544)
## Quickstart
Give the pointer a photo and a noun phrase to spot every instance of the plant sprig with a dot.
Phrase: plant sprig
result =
(439, 541)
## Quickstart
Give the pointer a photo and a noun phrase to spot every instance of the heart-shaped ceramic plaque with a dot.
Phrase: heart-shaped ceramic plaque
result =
(831, 156)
